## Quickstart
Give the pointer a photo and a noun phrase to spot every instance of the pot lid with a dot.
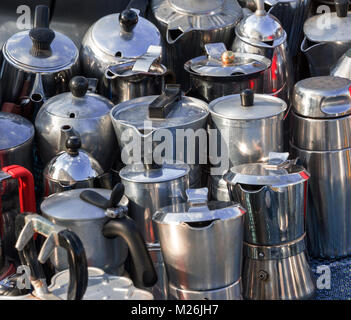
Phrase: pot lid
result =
(322, 97)
(78, 103)
(138, 173)
(330, 26)
(101, 286)
(125, 35)
(247, 106)
(182, 16)
(222, 63)
(198, 210)
(69, 206)
(73, 165)
(277, 172)
(40, 49)
(14, 130)
(180, 110)
(261, 28)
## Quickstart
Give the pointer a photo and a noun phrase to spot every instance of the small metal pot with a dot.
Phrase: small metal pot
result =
(222, 72)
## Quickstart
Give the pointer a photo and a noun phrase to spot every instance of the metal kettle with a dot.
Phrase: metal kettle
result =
(201, 243)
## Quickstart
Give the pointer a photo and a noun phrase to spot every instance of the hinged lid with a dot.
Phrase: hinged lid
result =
(276, 172)
(330, 26)
(14, 130)
(261, 29)
(40, 49)
(183, 110)
(233, 106)
(182, 16)
(138, 173)
(322, 97)
(222, 63)
(197, 209)
(73, 165)
(129, 37)
(79, 103)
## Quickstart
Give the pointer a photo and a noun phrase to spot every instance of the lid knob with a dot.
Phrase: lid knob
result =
(128, 20)
(247, 98)
(341, 6)
(79, 86)
(227, 58)
(41, 35)
(73, 144)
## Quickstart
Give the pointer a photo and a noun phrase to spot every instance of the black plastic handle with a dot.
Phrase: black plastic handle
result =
(98, 200)
(143, 272)
(78, 86)
(128, 19)
(41, 17)
(341, 7)
(162, 105)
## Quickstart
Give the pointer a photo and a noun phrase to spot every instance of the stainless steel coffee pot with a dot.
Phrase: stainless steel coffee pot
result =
(274, 194)
(143, 76)
(327, 38)
(249, 126)
(322, 120)
(71, 169)
(81, 113)
(149, 188)
(223, 72)
(37, 64)
(201, 244)
(186, 26)
(261, 33)
(141, 123)
(115, 39)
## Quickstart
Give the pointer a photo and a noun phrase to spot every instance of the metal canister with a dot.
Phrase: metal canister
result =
(321, 139)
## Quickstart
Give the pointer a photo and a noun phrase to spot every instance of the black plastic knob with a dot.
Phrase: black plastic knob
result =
(342, 7)
(247, 98)
(79, 86)
(128, 20)
(73, 144)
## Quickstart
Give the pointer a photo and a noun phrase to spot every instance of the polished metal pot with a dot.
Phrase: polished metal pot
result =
(72, 169)
(37, 64)
(81, 113)
(196, 237)
(114, 39)
(261, 33)
(223, 72)
(327, 38)
(187, 26)
(321, 112)
(145, 126)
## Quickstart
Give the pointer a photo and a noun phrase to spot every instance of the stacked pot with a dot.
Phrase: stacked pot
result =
(274, 194)
(321, 139)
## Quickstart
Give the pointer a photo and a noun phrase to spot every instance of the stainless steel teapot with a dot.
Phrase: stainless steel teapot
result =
(37, 64)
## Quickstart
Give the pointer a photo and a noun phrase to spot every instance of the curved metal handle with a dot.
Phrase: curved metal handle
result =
(27, 225)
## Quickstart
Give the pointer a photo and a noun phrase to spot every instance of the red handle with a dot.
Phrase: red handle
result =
(25, 187)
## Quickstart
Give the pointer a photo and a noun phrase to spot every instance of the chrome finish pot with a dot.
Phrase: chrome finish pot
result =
(71, 169)
(143, 76)
(250, 126)
(223, 72)
(196, 237)
(261, 33)
(81, 113)
(274, 194)
(148, 190)
(323, 105)
(115, 39)
(16, 141)
(187, 26)
(141, 123)
(327, 38)
(37, 64)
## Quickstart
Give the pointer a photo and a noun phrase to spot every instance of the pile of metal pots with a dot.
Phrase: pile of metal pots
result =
(201, 152)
